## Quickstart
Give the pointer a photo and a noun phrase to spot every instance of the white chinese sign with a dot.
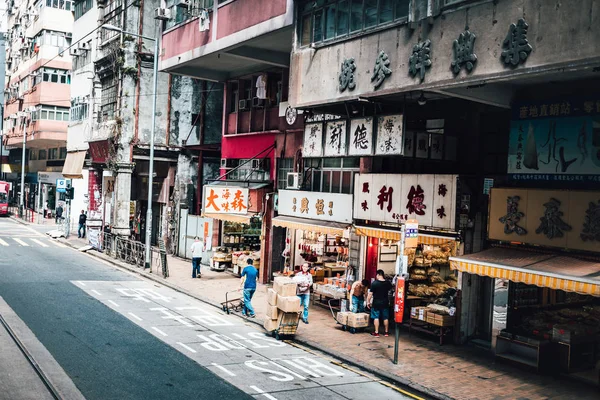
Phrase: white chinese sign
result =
(429, 199)
(389, 135)
(225, 200)
(333, 207)
(335, 140)
(361, 137)
(422, 145)
(313, 140)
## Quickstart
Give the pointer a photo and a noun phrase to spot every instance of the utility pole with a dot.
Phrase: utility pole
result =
(22, 199)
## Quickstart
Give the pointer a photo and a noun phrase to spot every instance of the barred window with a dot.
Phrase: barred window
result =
(108, 104)
(79, 111)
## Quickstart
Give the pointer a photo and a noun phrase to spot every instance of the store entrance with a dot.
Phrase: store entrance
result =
(484, 317)
(372, 253)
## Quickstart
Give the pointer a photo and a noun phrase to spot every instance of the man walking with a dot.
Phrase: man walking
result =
(82, 221)
(59, 212)
(248, 282)
(197, 249)
(304, 280)
(380, 309)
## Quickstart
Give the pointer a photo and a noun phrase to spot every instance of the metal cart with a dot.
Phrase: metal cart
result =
(288, 328)
(344, 327)
(234, 304)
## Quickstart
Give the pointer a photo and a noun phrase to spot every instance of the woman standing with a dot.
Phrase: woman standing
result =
(304, 281)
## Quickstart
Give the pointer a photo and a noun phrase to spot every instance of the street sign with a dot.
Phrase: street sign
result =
(61, 185)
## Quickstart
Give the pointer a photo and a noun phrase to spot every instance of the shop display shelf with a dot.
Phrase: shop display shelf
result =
(532, 353)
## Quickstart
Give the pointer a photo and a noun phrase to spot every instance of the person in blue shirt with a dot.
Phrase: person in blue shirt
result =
(248, 283)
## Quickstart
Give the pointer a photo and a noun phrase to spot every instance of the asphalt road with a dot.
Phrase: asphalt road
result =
(121, 337)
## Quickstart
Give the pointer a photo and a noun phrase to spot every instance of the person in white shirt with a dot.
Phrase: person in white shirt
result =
(304, 280)
(197, 249)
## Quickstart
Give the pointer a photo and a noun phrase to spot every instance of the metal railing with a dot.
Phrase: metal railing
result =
(132, 252)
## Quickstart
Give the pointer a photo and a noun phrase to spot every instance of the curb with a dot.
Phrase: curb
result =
(308, 343)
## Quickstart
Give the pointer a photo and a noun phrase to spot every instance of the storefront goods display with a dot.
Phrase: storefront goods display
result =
(272, 312)
(419, 313)
(358, 320)
(271, 297)
(330, 290)
(288, 303)
(284, 286)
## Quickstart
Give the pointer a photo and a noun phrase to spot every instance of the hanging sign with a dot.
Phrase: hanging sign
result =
(333, 207)
(225, 200)
(399, 300)
(389, 135)
(313, 140)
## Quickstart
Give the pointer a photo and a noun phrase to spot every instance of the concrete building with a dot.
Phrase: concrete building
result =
(36, 106)
(245, 54)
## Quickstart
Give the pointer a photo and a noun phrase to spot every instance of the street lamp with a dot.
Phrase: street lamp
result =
(23, 115)
(151, 162)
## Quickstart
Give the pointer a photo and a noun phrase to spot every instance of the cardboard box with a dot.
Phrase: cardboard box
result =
(444, 320)
(271, 297)
(270, 324)
(358, 320)
(342, 318)
(284, 286)
(272, 312)
(431, 318)
(288, 303)
(423, 314)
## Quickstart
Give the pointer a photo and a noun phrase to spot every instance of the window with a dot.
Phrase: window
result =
(79, 111)
(42, 155)
(81, 7)
(284, 166)
(62, 153)
(333, 175)
(108, 104)
(60, 4)
(52, 38)
(33, 155)
(52, 154)
(322, 20)
(83, 58)
(51, 113)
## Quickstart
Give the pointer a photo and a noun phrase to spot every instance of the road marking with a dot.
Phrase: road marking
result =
(3, 243)
(40, 243)
(22, 243)
(228, 372)
(80, 283)
(96, 292)
(113, 303)
(135, 316)
(186, 347)
(159, 331)
(260, 391)
(56, 243)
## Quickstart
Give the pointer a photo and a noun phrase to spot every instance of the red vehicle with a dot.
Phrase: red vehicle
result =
(4, 188)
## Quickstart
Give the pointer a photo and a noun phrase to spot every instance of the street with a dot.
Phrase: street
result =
(120, 337)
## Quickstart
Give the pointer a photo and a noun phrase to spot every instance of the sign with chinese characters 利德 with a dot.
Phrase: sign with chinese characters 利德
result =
(361, 137)
(334, 207)
(225, 200)
(555, 141)
(313, 140)
(565, 219)
(429, 199)
(335, 139)
(389, 135)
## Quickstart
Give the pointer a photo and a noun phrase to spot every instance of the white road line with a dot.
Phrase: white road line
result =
(3, 243)
(135, 316)
(113, 303)
(40, 243)
(186, 347)
(97, 293)
(159, 331)
(58, 244)
(80, 283)
(260, 391)
(228, 372)
(22, 243)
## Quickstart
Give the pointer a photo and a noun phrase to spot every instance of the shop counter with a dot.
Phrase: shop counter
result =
(533, 353)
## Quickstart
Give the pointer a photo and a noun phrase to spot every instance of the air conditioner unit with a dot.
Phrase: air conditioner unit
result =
(163, 14)
(73, 52)
(256, 163)
(182, 3)
(84, 46)
(293, 180)
(256, 102)
(32, 109)
(32, 12)
(227, 163)
(244, 104)
(68, 35)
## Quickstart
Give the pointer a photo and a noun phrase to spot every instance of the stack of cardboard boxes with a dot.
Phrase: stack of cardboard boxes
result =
(283, 305)
(353, 320)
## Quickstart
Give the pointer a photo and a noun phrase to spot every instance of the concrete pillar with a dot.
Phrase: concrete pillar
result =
(266, 241)
(123, 197)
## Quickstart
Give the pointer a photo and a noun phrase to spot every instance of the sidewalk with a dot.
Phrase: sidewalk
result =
(445, 372)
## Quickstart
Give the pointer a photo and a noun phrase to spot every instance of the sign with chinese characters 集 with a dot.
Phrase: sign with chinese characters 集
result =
(428, 199)
(225, 200)
(555, 141)
(389, 135)
(333, 207)
(361, 137)
(313, 140)
(335, 139)
(565, 219)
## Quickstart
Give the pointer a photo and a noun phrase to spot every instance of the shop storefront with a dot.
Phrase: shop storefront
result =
(48, 198)
(545, 304)
(240, 212)
(318, 232)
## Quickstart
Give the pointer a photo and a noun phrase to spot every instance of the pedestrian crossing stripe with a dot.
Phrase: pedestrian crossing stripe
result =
(3, 243)
(40, 243)
(23, 242)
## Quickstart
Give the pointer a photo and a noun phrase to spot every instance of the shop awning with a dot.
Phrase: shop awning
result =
(239, 218)
(378, 233)
(545, 270)
(330, 228)
(425, 238)
(74, 165)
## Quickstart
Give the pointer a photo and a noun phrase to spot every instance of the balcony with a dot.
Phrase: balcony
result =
(40, 134)
(239, 40)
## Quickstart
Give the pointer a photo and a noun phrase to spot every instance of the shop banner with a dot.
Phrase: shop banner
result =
(225, 200)
(556, 141)
(313, 140)
(334, 207)
(390, 129)
(564, 219)
(395, 198)
(399, 300)
(49, 177)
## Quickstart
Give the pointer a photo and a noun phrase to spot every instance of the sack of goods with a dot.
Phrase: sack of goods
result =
(358, 320)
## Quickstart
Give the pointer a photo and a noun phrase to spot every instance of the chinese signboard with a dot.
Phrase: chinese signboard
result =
(389, 135)
(565, 219)
(313, 140)
(555, 141)
(429, 199)
(361, 137)
(316, 205)
(335, 140)
(225, 200)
